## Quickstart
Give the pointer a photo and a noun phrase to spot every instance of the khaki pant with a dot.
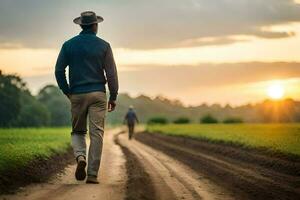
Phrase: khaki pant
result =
(92, 106)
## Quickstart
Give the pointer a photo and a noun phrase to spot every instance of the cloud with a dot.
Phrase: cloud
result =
(156, 79)
(274, 34)
(143, 24)
(7, 45)
(209, 41)
(208, 75)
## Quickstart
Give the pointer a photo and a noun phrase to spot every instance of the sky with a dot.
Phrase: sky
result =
(216, 51)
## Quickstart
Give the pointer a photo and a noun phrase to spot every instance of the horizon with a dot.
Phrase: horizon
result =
(153, 97)
(221, 52)
(212, 104)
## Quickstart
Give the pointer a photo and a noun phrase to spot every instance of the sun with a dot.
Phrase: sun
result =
(275, 91)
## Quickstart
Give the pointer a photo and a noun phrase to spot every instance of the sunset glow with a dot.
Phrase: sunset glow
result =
(276, 91)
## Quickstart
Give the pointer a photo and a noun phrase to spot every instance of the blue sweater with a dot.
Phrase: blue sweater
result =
(131, 117)
(91, 65)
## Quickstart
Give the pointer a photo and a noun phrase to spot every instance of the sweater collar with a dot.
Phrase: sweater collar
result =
(87, 32)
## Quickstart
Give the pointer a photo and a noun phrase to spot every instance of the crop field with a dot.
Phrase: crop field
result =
(278, 137)
(20, 146)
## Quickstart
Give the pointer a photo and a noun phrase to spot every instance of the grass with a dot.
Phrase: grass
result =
(278, 137)
(20, 146)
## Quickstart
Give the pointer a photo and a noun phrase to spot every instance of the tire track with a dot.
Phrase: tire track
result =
(247, 180)
(139, 185)
(172, 179)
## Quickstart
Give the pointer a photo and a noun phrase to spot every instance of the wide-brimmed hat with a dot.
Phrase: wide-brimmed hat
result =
(87, 18)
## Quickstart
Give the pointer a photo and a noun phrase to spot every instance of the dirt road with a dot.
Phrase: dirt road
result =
(64, 186)
(161, 168)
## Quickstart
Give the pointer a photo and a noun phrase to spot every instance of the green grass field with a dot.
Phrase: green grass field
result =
(279, 137)
(20, 146)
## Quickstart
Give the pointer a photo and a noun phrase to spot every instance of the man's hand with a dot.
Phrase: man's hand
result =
(111, 106)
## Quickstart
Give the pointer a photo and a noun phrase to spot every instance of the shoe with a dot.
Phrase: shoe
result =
(92, 180)
(80, 173)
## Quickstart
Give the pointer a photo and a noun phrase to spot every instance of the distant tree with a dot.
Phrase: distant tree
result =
(182, 120)
(32, 113)
(18, 108)
(11, 87)
(208, 119)
(232, 120)
(157, 120)
(57, 104)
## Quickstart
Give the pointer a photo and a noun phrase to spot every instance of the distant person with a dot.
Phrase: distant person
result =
(91, 65)
(130, 118)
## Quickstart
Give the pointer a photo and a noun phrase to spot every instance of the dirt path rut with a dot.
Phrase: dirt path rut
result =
(170, 178)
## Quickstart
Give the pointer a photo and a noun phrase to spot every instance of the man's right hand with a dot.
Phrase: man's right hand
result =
(111, 106)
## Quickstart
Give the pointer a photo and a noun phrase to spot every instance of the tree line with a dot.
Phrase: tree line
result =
(206, 119)
(172, 111)
(19, 108)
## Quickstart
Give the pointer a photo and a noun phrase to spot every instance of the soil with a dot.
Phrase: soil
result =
(37, 171)
(248, 173)
(139, 185)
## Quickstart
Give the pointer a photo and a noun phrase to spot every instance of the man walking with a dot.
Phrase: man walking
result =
(91, 65)
(131, 119)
